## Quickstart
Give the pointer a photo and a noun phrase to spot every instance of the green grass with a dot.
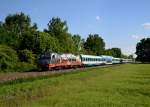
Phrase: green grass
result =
(118, 86)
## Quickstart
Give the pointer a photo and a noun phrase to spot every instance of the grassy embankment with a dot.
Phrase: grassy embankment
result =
(119, 86)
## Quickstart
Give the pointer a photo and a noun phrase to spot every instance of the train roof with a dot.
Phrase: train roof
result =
(68, 55)
(116, 58)
(90, 56)
(106, 56)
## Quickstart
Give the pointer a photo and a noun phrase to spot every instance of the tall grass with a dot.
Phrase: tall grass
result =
(119, 86)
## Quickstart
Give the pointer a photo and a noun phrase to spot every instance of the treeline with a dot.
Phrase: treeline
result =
(21, 42)
(143, 50)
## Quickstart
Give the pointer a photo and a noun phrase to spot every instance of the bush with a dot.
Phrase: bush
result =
(23, 67)
(9, 61)
(8, 57)
(27, 56)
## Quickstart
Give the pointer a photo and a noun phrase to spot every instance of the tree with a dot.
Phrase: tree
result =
(109, 52)
(44, 42)
(94, 44)
(79, 43)
(56, 27)
(15, 27)
(115, 52)
(143, 50)
(59, 30)
(17, 23)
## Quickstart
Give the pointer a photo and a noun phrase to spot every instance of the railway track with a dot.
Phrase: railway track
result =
(25, 75)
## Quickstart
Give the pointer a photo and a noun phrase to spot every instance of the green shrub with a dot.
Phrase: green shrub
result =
(27, 56)
(8, 57)
(9, 61)
(23, 66)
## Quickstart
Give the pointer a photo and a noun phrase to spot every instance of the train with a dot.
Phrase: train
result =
(54, 60)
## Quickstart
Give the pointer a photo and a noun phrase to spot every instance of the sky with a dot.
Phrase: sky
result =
(121, 23)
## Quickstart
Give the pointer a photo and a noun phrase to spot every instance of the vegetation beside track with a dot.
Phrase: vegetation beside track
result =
(119, 86)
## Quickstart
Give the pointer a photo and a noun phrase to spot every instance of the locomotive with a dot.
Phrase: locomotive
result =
(53, 60)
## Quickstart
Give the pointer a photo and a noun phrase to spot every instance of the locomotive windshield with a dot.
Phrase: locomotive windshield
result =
(45, 59)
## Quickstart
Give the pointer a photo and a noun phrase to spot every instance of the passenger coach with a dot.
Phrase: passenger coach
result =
(90, 60)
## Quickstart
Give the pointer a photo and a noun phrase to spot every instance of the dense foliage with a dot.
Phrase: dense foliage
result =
(115, 52)
(21, 42)
(9, 61)
(8, 56)
(143, 50)
(95, 44)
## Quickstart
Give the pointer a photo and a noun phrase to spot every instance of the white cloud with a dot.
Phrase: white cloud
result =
(97, 18)
(146, 25)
